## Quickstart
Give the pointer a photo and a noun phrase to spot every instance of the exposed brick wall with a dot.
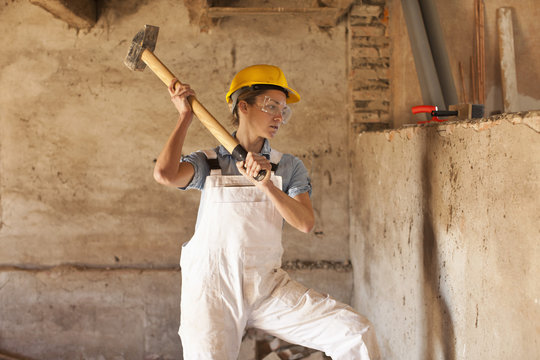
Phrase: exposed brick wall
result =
(369, 62)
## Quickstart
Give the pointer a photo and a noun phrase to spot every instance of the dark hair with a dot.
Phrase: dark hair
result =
(249, 96)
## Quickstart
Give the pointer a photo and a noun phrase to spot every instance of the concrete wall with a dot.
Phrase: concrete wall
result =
(89, 242)
(444, 238)
(444, 219)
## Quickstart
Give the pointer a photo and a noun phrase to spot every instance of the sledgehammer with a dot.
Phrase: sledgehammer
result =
(141, 54)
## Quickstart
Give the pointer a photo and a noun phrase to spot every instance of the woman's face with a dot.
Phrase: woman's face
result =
(265, 116)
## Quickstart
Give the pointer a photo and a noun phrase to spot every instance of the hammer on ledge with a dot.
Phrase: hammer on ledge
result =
(141, 54)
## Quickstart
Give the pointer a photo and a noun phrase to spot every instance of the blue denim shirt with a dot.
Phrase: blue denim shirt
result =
(294, 174)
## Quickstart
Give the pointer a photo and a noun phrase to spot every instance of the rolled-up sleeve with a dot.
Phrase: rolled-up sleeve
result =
(300, 181)
(202, 169)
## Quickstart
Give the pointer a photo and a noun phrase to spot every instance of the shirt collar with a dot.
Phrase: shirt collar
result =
(264, 151)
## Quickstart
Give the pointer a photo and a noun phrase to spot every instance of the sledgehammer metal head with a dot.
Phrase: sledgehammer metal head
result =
(145, 39)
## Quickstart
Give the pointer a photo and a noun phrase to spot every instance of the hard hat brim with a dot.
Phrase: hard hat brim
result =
(292, 97)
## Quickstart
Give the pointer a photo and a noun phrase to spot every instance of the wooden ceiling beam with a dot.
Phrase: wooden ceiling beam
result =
(80, 14)
(323, 16)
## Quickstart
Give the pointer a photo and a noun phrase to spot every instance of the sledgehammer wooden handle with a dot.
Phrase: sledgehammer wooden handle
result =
(218, 131)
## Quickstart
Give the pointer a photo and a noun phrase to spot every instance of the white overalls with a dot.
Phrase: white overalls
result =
(232, 279)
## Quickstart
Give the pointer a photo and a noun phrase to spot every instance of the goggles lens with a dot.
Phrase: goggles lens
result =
(275, 108)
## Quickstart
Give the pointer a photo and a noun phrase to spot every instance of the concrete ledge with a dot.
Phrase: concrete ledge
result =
(528, 118)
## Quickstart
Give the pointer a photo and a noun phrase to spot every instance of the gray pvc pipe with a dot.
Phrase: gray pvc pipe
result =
(423, 59)
(438, 50)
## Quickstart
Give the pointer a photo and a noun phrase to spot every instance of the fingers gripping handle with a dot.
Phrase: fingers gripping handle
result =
(217, 130)
(240, 154)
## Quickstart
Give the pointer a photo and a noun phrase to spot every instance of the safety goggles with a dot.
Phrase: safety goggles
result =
(275, 108)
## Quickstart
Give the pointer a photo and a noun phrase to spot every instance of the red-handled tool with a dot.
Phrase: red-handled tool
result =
(433, 111)
(462, 111)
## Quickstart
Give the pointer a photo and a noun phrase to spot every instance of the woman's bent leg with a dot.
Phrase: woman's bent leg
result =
(303, 316)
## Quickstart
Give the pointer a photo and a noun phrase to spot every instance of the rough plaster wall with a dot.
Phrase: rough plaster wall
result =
(78, 313)
(457, 23)
(86, 145)
(78, 136)
(445, 229)
(69, 313)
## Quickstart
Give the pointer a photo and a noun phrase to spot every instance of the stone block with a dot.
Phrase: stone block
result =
(370, 105)
(360, 118)
(370, 63)
(371, 31)
(364, 20)
(367, 10)
(384, 95)
(358, 40)
(371, 84)
(365, 51)
(361, 75)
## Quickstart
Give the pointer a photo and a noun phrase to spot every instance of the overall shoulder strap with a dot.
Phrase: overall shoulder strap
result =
(213, 163)
(212, 160)
(275, 158)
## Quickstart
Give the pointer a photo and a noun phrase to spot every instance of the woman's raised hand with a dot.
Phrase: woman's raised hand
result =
(179, 96)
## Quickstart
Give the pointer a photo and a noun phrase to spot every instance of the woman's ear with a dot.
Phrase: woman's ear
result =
(242, 105)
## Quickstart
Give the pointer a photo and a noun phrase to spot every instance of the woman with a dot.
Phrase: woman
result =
(231, 268)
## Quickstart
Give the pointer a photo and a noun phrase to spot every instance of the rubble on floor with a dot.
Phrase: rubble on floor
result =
(258, 345)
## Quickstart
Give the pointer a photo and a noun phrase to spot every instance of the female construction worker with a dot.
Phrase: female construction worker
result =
(231, 268)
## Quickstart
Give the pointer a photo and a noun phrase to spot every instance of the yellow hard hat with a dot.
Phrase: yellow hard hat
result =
(261, 75)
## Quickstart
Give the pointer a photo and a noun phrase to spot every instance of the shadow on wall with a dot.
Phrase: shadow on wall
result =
(119, 7)
(439, 325)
